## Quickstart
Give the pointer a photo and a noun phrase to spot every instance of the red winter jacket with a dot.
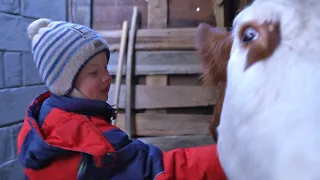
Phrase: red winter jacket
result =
(69, 138)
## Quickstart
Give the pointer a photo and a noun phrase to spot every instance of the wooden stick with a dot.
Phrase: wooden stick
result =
(123, 46)
(129, 71)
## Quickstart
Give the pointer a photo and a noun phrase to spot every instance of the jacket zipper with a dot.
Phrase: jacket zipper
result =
(82, 169)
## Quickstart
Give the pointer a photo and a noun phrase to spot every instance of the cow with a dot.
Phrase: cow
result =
(270, 108)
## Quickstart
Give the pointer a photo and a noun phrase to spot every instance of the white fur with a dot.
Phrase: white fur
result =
(271, 113)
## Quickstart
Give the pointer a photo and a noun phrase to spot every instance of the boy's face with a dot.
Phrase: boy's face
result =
(94, 79)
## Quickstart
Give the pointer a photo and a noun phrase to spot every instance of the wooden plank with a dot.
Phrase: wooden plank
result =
(187, 45)
(160, 33)
(166, 32)
(168, 143)
(166, 35)
(188, 13)
(161, 62)
(157, 80)
(111, 17)
(158, 39)
(185, 79)
(155, 97)
(168, 124)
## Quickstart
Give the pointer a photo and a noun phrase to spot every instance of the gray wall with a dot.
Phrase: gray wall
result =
(81, 12)
(19, 79)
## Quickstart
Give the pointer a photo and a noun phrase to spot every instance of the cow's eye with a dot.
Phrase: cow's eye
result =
(249, 34)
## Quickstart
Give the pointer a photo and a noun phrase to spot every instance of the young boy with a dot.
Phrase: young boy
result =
(67, 132)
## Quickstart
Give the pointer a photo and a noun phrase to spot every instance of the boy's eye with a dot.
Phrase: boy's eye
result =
(93, 73)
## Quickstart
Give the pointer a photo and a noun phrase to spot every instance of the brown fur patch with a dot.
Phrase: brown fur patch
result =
(217, 112)
(214, 46)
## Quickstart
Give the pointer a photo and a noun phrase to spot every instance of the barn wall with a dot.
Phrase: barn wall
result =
(183, 13)
(19, 79)
(109, 14)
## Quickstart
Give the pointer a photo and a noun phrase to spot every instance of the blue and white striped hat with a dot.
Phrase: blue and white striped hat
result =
(61, 49)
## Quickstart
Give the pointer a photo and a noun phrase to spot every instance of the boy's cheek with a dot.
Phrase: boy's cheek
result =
(88, 88)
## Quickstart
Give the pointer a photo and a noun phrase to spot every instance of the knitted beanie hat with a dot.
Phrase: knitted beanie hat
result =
(61, 49)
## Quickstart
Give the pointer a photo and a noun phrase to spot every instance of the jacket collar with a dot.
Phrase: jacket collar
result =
(83, 106)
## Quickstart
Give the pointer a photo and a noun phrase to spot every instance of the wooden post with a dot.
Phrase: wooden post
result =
(131, 42)
(218, 11)
(157, 18)
(157, 13)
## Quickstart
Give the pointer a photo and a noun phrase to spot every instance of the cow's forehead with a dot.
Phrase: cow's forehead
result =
(268, 11)
(299, 19)
(284, 10)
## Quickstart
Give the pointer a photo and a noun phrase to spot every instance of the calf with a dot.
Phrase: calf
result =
(271, 66)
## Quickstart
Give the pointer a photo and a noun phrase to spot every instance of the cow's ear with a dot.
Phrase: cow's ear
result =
(213, 46)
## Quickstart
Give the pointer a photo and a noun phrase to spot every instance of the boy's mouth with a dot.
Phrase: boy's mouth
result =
(106, 89)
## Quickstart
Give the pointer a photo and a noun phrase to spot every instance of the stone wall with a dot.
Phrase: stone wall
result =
(19, 79)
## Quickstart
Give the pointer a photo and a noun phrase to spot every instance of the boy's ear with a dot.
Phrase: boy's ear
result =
(213, 45)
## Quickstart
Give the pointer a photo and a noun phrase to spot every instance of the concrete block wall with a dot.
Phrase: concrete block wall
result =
(19, 78)
(81, 12)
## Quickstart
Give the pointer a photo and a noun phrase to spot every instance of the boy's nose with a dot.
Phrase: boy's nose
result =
(106, 76)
